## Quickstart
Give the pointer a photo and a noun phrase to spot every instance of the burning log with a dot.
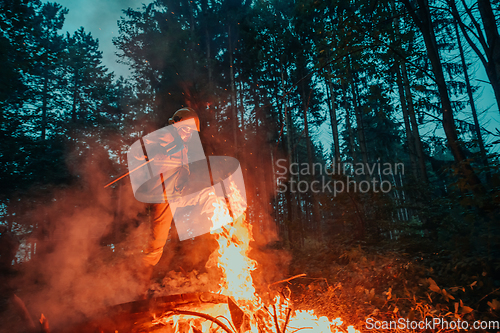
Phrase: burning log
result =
(169, 302)
(201, 315)
(135, 316)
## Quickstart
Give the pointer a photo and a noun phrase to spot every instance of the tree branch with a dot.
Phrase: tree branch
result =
(201, 315)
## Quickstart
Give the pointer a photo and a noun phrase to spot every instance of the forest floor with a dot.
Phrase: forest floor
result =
(371, 286)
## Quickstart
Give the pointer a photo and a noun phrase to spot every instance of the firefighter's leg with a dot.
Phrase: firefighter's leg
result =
(161, 219)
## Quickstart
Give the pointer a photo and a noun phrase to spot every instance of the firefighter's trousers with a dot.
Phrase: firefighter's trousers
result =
(161, 220)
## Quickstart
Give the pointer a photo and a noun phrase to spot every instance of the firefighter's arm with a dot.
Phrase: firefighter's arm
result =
(159, 142)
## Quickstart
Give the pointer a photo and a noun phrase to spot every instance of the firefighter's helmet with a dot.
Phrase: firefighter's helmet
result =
(184, 114)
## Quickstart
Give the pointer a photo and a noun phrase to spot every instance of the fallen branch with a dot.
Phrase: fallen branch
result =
(287, 280)
(228, 321)
(201, 315)
(486, 296)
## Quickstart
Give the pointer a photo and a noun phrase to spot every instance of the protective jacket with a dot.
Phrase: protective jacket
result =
(163, 179)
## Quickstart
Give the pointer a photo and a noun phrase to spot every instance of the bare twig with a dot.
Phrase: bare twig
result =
(487, 295)
(229, 322)
(286, 280)
(282, 292)
(289, 311)
(201, 315)
(275, 316)
(303, 328)
(465, 122)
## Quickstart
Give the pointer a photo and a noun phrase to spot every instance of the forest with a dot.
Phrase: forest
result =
(364, 129)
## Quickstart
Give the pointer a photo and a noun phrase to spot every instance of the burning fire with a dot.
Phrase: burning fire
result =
(233, 238)
(232, 255)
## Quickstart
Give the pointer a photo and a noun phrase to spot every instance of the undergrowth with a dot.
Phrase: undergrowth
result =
(365, 284)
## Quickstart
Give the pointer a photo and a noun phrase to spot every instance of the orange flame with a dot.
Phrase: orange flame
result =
(233, 238)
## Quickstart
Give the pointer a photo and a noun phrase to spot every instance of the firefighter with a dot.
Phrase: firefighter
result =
(170, 156)
(161, 215)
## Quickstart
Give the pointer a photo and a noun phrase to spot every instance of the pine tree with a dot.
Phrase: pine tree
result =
(422, 17)
(90, 85)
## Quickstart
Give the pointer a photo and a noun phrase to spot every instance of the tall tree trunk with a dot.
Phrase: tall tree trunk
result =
(333, 117)
(192, 40)
(44, 102)
(361, 138)
(348, 126)
(75, 97)
(491, 59)
(300, 212)
(241, 107)
(279, 221)
(414, 125)
(209, 61)
(233, 91)
(359, 122)
(263, 191)
(417, 142)
(409, 134)
(423, 20)
(493, 39)
(312, 194)
(477, 127)
(291, 203)
(291, 199)
(211, 107)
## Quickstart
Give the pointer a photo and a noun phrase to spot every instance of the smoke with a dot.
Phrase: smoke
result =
(81, 265)
(72, 275)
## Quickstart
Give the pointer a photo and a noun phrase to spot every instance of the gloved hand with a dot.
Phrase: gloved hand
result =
(182, 179)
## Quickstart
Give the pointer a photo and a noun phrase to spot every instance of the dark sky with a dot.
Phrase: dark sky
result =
(100, 18)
